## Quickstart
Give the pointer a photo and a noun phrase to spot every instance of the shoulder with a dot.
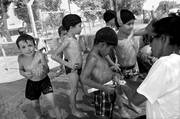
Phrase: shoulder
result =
(20, 57)
(66, 40)
(91, 57)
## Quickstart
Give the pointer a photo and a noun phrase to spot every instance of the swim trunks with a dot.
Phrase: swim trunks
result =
(35, 88)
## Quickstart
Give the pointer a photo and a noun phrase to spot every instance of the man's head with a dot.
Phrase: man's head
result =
(72, 22)
(165, 33)
(107, 38)
(26, 44)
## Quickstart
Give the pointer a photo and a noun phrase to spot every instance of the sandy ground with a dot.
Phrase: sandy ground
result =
(13, 104)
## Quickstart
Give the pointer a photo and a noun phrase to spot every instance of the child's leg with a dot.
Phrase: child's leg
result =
(36, 105)
(50, 98)
(119, 102)
(74, 85)
(130, 96)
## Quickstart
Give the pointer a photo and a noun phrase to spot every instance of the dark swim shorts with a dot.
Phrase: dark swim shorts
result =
(35, 88)
(69, 70)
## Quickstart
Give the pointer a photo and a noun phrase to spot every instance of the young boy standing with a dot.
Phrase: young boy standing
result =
(110, 19)
(97, 72)
(128, 47)
(73, 56)
(33, 66)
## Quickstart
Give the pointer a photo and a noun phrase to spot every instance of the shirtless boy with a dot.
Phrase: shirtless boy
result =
(33, 66)
(128, 47)
(97, 72)
(73, 56)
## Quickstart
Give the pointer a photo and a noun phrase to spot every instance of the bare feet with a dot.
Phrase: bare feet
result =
(135, 108)
(79, 114)
(124, 113)
(64, 114)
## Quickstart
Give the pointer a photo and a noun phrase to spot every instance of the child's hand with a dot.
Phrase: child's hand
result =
(76, 66)
(119, 79)
(116, 68)
(28, 74)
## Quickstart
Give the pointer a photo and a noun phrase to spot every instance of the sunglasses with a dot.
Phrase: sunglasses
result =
(154, 37)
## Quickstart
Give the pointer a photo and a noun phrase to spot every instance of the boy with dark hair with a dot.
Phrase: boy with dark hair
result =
(33, 66)
(128, 47)
(73, 57)
(97, 72)
(110, 19)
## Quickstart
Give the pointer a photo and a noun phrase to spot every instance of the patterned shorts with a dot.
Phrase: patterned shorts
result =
(104, 103)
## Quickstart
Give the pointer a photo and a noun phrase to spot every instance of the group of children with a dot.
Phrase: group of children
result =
(113, 56)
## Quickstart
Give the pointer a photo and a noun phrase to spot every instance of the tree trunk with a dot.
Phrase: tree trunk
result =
(5, 31)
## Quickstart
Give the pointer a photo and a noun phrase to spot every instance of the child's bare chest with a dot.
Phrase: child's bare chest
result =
(102, 72)
(27, 64)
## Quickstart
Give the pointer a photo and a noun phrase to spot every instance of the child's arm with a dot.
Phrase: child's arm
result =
(56, 55)
(26, 74)
(44, 62)
(114, 66)
(86, 76)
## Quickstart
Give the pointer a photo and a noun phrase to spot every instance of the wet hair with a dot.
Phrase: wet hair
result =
(109, 15)
(107, 35)
(71, 20)
(126, 16)
(60, 29)
(168, 26)
(24, 37)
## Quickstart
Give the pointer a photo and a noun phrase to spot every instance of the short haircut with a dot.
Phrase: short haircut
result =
(24, 37)
(60, 29)
(169, 26)
(71, 20)
(107, 35)
(126, 16)
(109, 15)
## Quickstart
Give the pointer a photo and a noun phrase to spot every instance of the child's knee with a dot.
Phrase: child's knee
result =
(35, 103)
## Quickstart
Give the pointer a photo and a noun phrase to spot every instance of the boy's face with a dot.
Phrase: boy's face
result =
(77, 28)
(62, 35)
(112, 22)
(128, 27)
(105, 49)
(27, 48)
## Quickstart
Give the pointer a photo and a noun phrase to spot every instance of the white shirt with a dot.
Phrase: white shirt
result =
(162, 89)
